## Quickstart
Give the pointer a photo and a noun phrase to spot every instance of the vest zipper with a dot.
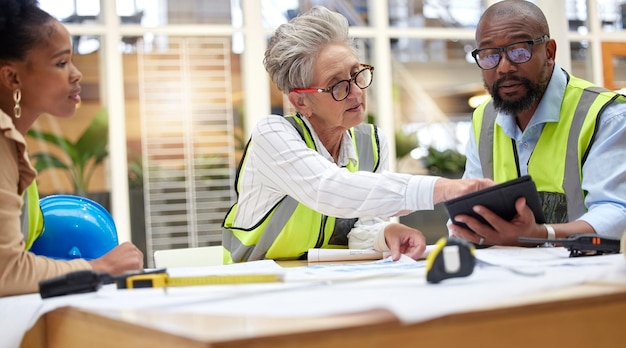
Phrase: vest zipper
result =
(320, 236)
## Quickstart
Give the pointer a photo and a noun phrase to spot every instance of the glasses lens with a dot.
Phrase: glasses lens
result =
(488, 59)
(341, 90)
(363, 78)
(519, 53)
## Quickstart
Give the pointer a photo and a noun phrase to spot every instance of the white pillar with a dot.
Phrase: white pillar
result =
(554, 10)
(113, 98)
(378, 14)
(593, 18)
(256, 87)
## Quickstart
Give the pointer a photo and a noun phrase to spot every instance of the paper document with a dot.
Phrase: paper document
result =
(534, 257)
(321, 255)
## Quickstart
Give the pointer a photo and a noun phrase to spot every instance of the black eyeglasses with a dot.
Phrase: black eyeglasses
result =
(341, 89)
(517, 53)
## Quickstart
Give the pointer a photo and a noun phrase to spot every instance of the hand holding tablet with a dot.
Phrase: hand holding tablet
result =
(500, 199)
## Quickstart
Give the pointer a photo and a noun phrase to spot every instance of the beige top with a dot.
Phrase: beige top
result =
(20, 270)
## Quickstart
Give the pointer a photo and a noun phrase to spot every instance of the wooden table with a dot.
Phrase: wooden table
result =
(588, 315)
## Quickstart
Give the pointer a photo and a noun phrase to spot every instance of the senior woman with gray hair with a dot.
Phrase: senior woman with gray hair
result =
(319, 178)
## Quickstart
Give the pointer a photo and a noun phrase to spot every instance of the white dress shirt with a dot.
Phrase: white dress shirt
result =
(279, 163)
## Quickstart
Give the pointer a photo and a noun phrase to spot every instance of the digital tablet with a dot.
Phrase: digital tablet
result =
(500, 199)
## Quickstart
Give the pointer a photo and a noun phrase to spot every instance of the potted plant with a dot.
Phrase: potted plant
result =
(83, 155)
(448, 163)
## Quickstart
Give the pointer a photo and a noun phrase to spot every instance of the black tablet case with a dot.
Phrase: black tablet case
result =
(500, 199)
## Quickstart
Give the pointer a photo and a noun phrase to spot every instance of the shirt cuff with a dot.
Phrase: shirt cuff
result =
(420, 192)
(379, 241)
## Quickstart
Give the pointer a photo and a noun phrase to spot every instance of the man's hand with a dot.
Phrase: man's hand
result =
(122, 258)
(501, 232)
(405, 240)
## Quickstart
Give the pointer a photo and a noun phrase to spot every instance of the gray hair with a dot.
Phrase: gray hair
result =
(292, 49)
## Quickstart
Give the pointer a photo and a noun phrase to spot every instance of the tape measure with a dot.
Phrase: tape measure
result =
(161, 280)
(450, 258)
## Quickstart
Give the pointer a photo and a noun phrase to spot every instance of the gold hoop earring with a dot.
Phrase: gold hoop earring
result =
(17, 97)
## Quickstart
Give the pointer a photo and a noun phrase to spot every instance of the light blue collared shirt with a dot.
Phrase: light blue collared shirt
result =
(604, 172)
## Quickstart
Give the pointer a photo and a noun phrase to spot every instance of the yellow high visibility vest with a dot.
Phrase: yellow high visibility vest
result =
(557, 160)
(32, 217)
(290, 229)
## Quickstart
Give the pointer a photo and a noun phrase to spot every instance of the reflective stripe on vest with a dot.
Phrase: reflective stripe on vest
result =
(32, 217)
(291, 228)
(563, 144)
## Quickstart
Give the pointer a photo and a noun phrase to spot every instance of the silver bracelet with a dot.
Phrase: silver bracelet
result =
(551, 235)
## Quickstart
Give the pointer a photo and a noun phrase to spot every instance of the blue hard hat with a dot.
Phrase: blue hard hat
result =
(74, 227)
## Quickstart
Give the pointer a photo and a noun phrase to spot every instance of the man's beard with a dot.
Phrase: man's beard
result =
(522, 103)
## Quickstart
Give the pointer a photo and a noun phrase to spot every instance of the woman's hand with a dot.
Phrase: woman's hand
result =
(405, 240)
(447, 189)
(124, 257)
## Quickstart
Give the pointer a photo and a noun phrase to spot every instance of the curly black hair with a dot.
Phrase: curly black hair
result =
(22, 25)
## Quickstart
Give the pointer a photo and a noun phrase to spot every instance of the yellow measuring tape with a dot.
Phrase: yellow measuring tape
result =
(162, 280)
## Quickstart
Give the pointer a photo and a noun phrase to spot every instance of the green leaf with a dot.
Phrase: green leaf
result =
(405, 143)
(444, 162)
(94, 141)
(65, 144)
(45, 161)
(89, 151)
